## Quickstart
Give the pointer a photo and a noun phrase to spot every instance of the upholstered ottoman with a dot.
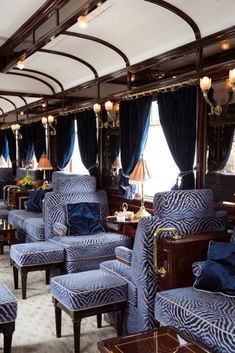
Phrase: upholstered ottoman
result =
(85, 294)
(8, 312)
(36, 256)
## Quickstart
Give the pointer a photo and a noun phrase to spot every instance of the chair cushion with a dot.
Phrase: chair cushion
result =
(218, 272)
(37, 253)
(207, 318)
(79, 291)
(119, 269)
(17, 217)
(34, 228)
(8, 305)
(84, 218)
(87, 252)
(74, 184)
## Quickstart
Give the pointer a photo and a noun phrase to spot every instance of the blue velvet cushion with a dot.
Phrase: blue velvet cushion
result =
(218, 272)
(34, 203)
(84, 218)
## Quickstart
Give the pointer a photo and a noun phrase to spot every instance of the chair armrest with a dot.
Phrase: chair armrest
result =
(123, 254)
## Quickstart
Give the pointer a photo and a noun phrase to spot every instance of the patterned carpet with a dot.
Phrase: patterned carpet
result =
(35, 326)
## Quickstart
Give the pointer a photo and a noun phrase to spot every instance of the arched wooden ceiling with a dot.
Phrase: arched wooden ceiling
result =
(143, 37)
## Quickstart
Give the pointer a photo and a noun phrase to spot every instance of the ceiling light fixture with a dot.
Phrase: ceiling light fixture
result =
(21, 62)
(97, 110)
(225, 44)
(205, 84)
(82, 21)
(133, 77)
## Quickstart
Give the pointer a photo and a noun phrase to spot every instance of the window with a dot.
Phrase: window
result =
(230, 165)
(75, 164)
(163, 168)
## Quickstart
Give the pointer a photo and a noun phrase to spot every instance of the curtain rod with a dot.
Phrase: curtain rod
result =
(193, 81)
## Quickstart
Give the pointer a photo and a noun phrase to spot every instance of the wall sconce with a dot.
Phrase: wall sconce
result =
(205, 84)
(48, 121)
(15, 129)
(97, 110)
(112, 122)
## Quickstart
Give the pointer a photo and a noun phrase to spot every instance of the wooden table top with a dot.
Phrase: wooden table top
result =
(113, 219)
(159, 340)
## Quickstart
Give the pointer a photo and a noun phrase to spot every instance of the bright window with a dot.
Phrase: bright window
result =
(158, 156)
(230, 165)
(75, 164)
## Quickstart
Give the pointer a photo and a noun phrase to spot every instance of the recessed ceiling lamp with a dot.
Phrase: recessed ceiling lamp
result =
(99, 3)
(82, 21)
(225, 44)
(44, 104)
(133, 77)
(21, 112)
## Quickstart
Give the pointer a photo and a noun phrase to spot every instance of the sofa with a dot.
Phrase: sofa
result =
(206, 317)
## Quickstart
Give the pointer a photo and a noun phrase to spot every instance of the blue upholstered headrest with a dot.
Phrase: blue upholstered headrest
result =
(75, 184)
(183, 203)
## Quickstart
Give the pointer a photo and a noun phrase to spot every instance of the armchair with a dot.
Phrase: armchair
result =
(191, 213)
(82, 252)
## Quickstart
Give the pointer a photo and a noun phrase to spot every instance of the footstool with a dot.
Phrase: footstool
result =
(8, 312)
(86, 294)
(36, 256)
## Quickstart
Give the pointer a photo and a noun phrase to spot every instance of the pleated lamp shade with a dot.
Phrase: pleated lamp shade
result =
(44, 163)
(141, 172)
(116, 164)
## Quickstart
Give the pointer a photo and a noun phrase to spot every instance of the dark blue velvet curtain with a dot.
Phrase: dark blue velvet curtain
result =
(134, 125)
(38, 138)
(177, 111)
(12, 148)
(65, 137)
(220, 139)
(4, 150)
(27, 146)
(87, 140)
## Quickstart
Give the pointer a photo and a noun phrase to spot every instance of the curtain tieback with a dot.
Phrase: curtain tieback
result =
(92, 166)
(125, 175)
(185, 172)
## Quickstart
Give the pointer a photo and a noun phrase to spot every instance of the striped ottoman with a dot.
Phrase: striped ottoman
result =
(8, 312)
(85, 294)
(36, 256)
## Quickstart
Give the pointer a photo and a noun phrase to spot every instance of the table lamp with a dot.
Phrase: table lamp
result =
(44, 164)
(141, 174)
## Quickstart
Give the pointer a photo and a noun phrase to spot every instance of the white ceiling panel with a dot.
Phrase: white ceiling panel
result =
(139, 28)
(210, 15)
(14, 13)
(68, 71)
(102, 58)
(22, 84)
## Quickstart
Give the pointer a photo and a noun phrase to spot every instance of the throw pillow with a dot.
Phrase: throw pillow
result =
(84, 218)
(218, 272)
(35, 200)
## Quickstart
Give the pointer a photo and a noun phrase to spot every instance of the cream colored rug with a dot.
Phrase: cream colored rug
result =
(35, 324)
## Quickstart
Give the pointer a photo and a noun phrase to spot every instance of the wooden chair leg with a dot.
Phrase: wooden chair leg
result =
(7, 333)
(58, 315)
(24, 283)
(120, 315)
(76, 332)
(47, 276)
(99, 320)
(16, 277)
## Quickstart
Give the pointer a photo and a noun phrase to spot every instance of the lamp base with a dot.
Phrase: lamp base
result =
(142, 213)
(44, 185)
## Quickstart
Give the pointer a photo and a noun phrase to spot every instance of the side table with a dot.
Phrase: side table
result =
(7, 234)
(127, 228)
(159, 340)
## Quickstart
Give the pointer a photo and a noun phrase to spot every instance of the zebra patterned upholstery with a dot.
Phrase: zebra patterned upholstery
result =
(140, 273)
(34, 229)
(8, 305)
(75, 184)
(17, 217)
(36, 253)
(183, 203)
(123, 254)
(82, 253)
(206, 318)
(79, 291)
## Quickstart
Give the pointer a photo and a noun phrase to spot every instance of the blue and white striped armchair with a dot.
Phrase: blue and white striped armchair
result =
(191, 213)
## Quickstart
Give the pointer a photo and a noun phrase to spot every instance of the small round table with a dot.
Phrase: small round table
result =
(128, 227)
